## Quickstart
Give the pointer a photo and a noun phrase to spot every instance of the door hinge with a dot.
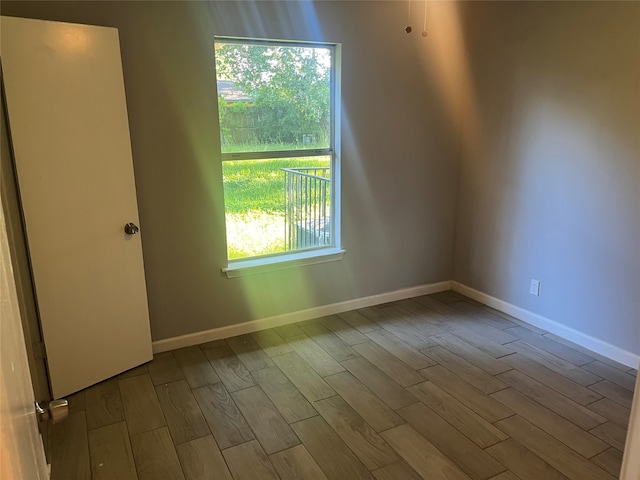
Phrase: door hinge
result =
(39, 350)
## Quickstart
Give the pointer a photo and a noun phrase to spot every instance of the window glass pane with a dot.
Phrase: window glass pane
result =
(273, 97)
(277, 205)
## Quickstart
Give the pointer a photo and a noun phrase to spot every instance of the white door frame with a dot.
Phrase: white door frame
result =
(631, 460)
(22, 448)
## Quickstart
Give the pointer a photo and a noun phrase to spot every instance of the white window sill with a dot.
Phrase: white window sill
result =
(241, 268)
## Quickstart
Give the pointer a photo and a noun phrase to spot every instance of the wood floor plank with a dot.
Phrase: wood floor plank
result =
(410, 305)
(582, 442)
(478, 341)
(396, 471)
(249, 462)
(525, 464)
(133, 372)
(505, 476)
(582, 416)
(249, 352)
(375, 412)
(296, 463)
(70, 449)
(77, 401)
(622, 379)
(357, 320)
(271, 343)
(389, 364)
(587, 352)
(468, 456)
(481, 432)
(379, 383)
(468, 304)
(471, 308)
(469, 372)
(181, 411)
(329, 342)
(446, 296)
(472, 397)
(549, 345)
(103, 404)
(485, 316)
(611, 433)
(614, 392)
(396, 322)
(551, 379)
(421, 321)
(343, 329)
(434, 304)
(314, 355)
(514, 320)
(421, 455)
(164, 369)
(556, 364)
(465, 321)
(471, 354)
(606, 408)
(110, 453)
(201, 460)
(610, 461)
(285, 396)
(225, 421)
(372, 313)
(269, 427)
(368, 446)
(329, 451)
(412, 357)
(155, 456)
(552, 451)
(195, 367)
(140, 403)
(213, 343)
(288, 331)
(229, 368)
(306, 380)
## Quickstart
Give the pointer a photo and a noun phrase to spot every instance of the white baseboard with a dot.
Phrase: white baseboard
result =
(624, 357)
(293, 317)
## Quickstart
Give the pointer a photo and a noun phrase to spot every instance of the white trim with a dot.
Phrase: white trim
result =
(631, 460)
(293, 317)
(599, 346)
(309, 152)
(252, 266)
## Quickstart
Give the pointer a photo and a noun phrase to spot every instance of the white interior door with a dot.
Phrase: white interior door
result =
(70, 133)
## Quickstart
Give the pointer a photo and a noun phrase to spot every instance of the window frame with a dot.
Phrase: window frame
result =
(308, 256)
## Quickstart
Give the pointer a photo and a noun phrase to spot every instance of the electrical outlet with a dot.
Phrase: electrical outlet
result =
(534, 288)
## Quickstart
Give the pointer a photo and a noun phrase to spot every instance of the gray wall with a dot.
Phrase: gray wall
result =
(399, 154)
(550, 169)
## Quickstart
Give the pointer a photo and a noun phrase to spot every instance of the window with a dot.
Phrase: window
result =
(278, 127)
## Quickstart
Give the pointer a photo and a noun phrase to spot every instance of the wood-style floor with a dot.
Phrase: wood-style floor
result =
(435, 387)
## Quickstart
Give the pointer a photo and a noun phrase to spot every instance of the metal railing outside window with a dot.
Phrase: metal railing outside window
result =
(307, 207)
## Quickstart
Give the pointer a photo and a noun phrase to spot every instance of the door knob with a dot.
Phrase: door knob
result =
(131, 229)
